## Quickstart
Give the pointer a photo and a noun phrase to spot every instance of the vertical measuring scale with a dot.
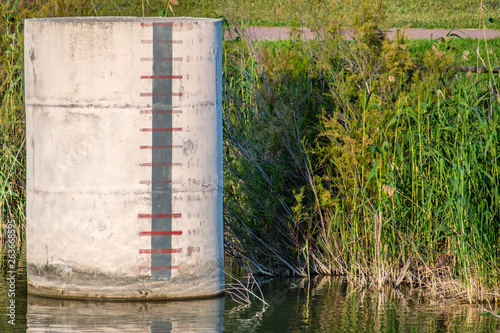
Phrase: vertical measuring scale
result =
(124, 162)
(161, 214)
(183, 194)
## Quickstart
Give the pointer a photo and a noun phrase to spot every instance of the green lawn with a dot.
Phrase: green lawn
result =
(416, 13)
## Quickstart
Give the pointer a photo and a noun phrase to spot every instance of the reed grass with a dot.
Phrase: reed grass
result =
(12, 133)
(365, 158)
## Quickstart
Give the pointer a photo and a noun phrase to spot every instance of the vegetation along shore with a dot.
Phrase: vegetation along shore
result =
(370, 157)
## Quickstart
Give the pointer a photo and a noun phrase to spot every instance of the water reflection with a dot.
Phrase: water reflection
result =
(328, 304)
(324, 304)
(53, 315)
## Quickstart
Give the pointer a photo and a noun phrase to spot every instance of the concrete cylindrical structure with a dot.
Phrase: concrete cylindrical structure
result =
(124, 157)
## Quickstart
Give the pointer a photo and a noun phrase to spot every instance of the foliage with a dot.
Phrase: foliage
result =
(264, 123)
(360, 157)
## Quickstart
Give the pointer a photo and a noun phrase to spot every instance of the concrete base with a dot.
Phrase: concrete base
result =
(53, 281)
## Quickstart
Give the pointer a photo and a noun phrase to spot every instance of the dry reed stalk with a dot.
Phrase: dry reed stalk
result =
(242, 292)
(378, 259)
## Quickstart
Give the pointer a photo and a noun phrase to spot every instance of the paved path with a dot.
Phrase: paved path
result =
(276, 33)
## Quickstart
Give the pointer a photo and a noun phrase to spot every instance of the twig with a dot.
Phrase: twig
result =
(240, 293)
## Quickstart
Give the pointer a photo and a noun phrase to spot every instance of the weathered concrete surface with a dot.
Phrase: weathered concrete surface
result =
(124, 160)
(282, 33)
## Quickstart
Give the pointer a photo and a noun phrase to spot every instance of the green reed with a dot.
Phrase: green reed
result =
(383, 160)
(12, 137)
(452, 199)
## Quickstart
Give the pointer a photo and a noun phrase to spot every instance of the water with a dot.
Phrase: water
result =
(331, 305)
(324, 305)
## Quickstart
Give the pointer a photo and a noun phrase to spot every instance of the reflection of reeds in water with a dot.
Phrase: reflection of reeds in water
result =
(358, 309)
(332, 304)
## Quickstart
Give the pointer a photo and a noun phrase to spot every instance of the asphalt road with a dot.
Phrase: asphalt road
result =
(277, 33)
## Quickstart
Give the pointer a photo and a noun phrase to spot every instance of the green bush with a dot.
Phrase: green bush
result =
(360, 157)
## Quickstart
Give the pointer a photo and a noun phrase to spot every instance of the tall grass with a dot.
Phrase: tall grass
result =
(361, 158)
(264, 156)
(12, 135)
(443, 169)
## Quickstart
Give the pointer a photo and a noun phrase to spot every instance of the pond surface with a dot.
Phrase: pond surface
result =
(324, 305)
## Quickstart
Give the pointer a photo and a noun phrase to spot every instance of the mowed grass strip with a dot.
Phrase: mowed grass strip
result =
(415, 13)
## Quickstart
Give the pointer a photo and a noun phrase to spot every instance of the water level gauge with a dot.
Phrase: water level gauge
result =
(124, 182)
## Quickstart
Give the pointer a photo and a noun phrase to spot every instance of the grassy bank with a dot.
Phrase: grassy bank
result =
(402, 13)
(370, 158)
(417, 13)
